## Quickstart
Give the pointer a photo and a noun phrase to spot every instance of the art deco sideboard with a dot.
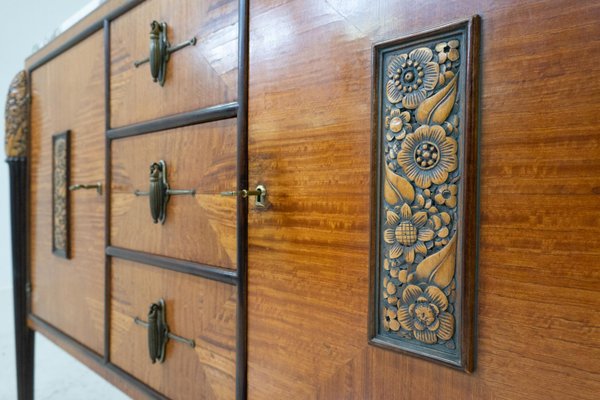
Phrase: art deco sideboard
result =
(313, 199)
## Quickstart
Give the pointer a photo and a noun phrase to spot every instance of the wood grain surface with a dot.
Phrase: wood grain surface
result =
(201, 228)
(310, 139)
(196, 308)
(197, 76)
(68, 93)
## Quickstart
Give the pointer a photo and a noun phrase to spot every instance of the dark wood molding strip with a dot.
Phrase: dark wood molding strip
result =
(187, 267)
(208, 114)
(56, 334)
(242, 204)
(107, 187)
(87, 32)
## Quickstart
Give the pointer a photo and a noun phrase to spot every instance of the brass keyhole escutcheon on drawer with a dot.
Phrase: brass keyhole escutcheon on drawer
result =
(160, 51)
(158, 332)
(159, 192)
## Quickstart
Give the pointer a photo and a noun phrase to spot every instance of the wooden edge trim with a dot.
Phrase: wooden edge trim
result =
(71, 38)
(471, 221)
(242, 204)
(107, 190)
(208, 114)
(111, 373)
(173, 264)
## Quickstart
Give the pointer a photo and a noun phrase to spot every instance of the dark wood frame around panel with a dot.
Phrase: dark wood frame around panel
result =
(466, 259)
(237, 109)
(66, 251)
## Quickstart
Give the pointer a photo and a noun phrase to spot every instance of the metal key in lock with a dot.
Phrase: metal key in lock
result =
(260, 192)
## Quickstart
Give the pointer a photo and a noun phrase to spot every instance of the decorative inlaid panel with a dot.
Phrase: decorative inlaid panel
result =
(425, 209)
(60, 193)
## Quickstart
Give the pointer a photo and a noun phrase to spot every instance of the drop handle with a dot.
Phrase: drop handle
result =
(160, 51)
(260, 192)
(158, 332)
(159, 192)
(87, 186)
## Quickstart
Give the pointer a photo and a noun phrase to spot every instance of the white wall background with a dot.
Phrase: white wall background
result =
(58, 376)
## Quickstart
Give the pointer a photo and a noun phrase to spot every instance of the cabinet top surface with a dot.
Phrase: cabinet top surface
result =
(78, 16)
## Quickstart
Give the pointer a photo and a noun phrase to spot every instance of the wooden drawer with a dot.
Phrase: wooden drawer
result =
(196, 308)
(197, 76)
(201, 228)
(68, 95)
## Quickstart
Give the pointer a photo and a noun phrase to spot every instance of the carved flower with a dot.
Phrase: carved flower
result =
(446, 195)
(407, 234)
(411, 76)
(428, 155)
(447, 51)
(424, 313)
(398, 123)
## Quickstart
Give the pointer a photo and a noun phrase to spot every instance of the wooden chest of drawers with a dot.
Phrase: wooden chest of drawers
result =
(172, 277)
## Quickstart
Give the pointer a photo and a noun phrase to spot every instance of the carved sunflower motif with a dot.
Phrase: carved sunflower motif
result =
(411, 77)
(428, 155)
(407, 233)
(423, 312)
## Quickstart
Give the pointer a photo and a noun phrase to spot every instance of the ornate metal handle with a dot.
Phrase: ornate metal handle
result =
(158, 332)
(160, 51)
(159, 192)
(260, 192)
(97, 186)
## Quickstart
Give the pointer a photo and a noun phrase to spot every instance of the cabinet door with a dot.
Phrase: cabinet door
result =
(310, 134)
(68, 95)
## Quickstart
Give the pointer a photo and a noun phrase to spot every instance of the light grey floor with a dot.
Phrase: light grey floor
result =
(58, 376)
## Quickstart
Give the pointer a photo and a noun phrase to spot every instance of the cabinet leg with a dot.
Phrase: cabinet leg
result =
(24, 337)
(25, 342)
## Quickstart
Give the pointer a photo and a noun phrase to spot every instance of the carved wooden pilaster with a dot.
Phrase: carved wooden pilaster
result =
(17, 129)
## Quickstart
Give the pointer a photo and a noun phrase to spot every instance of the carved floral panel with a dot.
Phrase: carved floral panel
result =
(16, 114)
(60, 194)
(419, 285)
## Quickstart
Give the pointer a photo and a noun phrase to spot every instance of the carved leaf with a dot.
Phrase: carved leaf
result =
(397, 188)
(436, 109)
(438, 268)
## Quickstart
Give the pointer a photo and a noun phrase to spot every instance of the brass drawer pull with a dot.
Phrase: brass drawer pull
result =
(159, 192)
(97, 186)
(160, 51)
(158, 332)
(260, 192)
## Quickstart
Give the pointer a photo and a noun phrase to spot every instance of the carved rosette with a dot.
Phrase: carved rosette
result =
(17, 117)
(421, 106)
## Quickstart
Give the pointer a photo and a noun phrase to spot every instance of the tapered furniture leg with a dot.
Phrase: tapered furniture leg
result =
(17, 127)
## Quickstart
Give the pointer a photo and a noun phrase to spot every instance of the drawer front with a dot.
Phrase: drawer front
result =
(199, 228)
(196, 76)
(68, 95)
(196, 309)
